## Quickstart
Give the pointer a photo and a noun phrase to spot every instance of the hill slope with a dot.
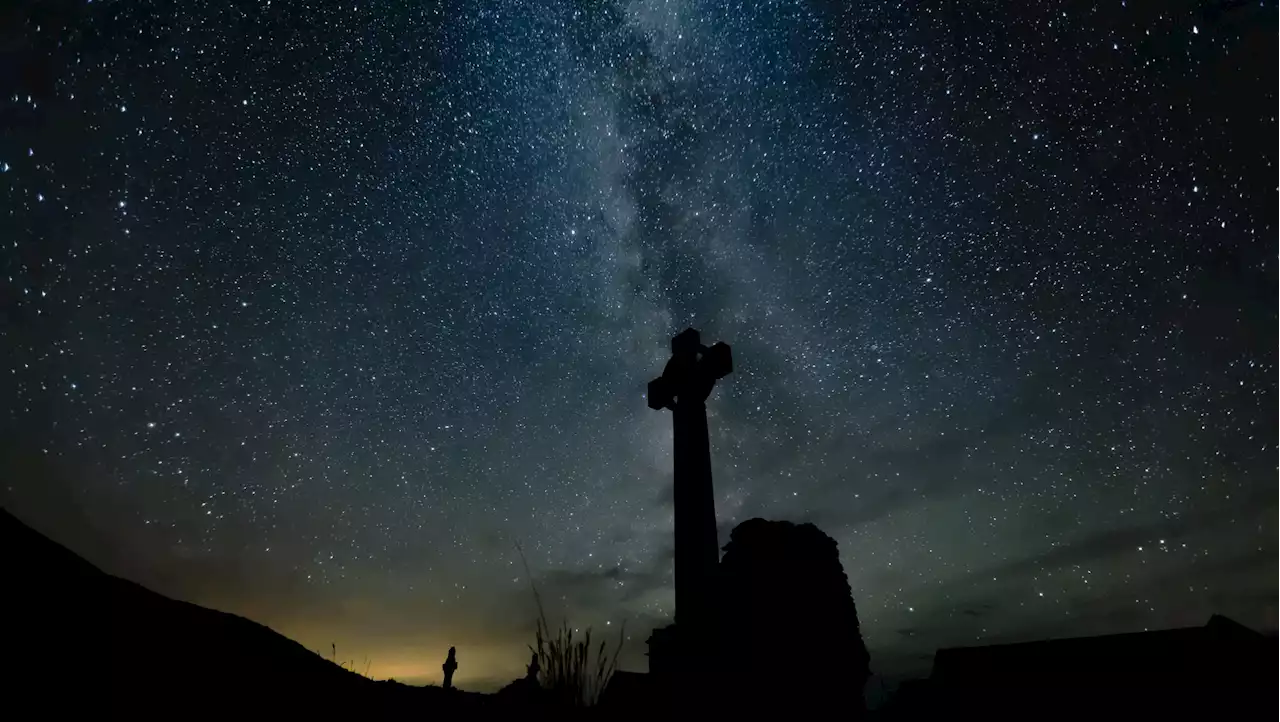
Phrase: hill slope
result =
(80, 639)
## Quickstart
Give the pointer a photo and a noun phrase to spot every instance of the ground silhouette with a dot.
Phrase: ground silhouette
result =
(82, 641)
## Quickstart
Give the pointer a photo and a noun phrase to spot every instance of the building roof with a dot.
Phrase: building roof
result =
(1221, 648)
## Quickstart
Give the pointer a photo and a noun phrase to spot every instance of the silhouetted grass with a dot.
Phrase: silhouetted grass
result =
(350, 665)
(567, 670)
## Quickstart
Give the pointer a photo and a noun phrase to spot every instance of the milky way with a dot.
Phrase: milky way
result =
(313, 313)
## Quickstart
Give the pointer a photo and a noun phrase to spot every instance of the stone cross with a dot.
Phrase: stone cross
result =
(683, 387)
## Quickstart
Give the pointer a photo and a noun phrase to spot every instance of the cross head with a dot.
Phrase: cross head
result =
(691, 373)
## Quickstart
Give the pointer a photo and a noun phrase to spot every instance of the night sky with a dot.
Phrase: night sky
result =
(312, 313)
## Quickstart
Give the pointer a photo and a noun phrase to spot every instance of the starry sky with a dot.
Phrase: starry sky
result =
(312, 312)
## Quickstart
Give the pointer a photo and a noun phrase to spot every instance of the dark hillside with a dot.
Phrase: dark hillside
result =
(79, 639)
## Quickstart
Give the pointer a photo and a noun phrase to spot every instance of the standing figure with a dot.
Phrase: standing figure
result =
(450, 664)
(533, 669)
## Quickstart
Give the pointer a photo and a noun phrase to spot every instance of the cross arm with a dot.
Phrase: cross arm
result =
(660, 395)
(718, 360)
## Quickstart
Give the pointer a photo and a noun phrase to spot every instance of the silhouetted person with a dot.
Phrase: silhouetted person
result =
(533, 669)
(450, 664)
(789, 639)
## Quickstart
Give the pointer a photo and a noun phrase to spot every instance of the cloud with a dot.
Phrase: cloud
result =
(1106, 544)
(610, 587)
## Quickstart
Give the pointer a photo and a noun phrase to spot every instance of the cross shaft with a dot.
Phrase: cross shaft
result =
(683, 387)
